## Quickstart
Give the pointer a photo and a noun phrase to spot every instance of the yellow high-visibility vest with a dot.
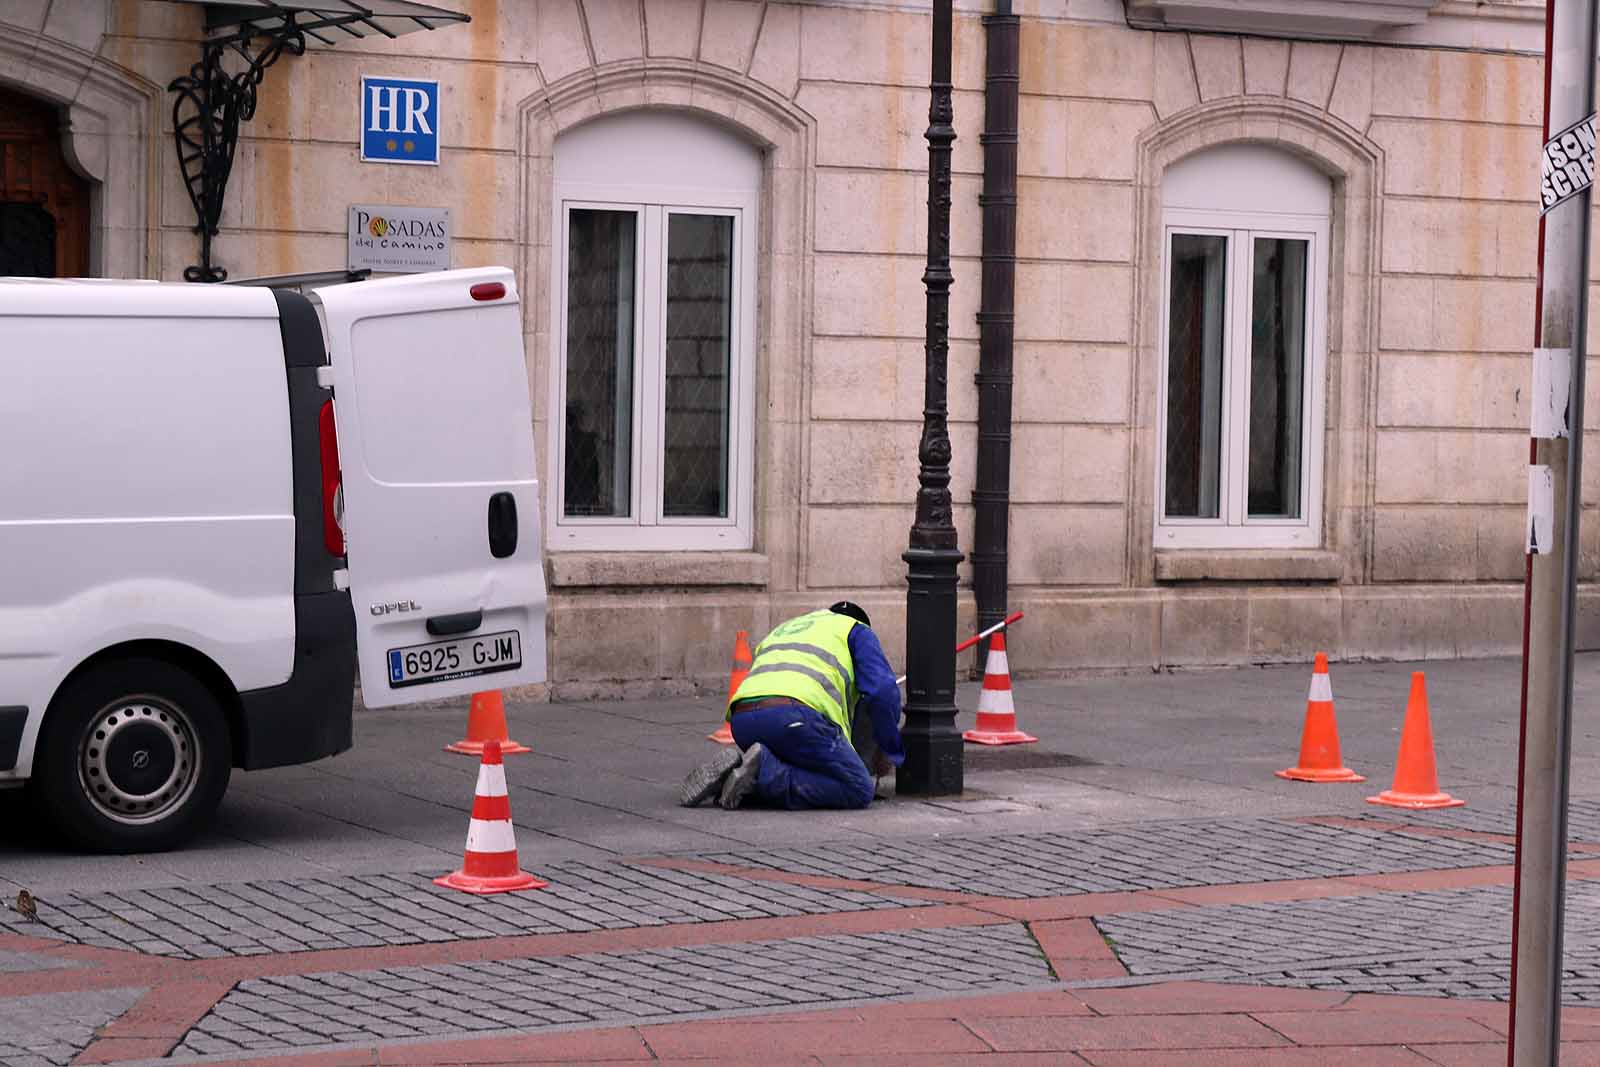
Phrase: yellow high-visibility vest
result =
(807, 659)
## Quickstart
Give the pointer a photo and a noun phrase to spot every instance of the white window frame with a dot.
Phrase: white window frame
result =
(1234, 527)
(646, 528)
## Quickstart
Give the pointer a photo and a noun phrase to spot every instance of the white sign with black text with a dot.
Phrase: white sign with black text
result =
(1566, 167)
(399, 240)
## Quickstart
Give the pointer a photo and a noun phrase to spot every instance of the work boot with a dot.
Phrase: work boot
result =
(743, 778)
(705, 781)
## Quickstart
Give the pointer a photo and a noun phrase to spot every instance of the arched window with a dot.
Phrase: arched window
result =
(1243, 343)
(655, 331)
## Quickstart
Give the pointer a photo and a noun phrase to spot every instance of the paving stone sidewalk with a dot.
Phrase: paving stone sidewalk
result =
(276, 1013)
(1164, 855)
(1453, 943)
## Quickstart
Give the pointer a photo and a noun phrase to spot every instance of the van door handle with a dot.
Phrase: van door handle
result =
(502, 525)
(464, 623)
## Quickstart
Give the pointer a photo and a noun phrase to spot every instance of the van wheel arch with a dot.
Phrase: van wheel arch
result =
(197, 663)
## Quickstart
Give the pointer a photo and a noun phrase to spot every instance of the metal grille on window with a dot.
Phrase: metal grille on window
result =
(600, 318)
(699, 307)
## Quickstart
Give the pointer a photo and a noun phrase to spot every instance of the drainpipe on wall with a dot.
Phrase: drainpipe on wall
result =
(991, 495)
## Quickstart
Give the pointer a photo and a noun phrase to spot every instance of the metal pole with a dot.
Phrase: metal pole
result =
(1555, 500)
(991, 495)
(933, 764)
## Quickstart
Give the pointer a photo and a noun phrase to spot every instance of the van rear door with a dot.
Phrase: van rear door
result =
(441, 505)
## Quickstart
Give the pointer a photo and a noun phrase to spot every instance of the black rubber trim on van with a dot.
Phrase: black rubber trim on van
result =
(309, 716)
(13, 721)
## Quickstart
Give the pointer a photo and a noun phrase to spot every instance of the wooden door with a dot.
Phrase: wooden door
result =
(44, 206)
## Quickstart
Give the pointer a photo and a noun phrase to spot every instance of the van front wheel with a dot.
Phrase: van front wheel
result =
(134, 757)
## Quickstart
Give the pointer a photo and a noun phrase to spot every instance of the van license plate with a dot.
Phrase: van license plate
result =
(447, 660)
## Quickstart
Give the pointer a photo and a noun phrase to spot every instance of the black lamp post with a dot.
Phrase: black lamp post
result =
(933, 747)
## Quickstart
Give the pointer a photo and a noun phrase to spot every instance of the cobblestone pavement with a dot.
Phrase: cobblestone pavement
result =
(1150, 856)
(313, 1009)
(246, 919)
(1445, 943)
(1583, 819)
(51, 1029)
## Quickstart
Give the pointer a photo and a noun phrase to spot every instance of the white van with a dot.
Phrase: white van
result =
(181, 468)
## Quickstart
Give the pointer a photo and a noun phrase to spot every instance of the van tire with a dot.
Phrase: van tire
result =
(161, 771)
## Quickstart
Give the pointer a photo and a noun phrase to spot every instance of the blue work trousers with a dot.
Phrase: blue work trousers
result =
(809, 763)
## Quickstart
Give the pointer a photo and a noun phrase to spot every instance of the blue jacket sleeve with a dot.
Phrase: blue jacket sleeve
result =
(879, 691)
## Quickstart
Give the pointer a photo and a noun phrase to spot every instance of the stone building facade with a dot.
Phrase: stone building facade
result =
(1273, 314)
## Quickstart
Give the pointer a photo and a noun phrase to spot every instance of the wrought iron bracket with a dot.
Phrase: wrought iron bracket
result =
(210, 105)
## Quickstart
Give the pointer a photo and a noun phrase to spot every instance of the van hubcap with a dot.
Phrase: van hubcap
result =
(139, 760)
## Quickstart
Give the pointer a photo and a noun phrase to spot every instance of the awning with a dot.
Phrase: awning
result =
(328, 21)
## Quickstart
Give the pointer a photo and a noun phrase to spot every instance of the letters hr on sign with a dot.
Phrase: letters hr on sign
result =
(1566, 167)
(399, 120)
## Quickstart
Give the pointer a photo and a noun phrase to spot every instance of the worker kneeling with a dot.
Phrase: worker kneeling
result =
(791, 718)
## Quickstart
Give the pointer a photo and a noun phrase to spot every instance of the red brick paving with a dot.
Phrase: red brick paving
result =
(1188, 1023)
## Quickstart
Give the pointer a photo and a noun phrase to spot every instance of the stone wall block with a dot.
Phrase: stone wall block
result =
(1451, 467)
(1353, 92)
(561, 47)
(1266, 66)
(1042, 136)
(1312, 66)
(1108, 631)
(1405, 317)
(1072, 383)
(875, 47)
(1060, 545)
(1447, 237)
(1219, 66)
(1205, 630)
(728, 36)
(776, 61)
(1467, 86)
(1087, 59)
(1453, 391)
(1074, 220)
(1424, 544)
(672, 27)
(1283, 624)
(1096, 303)
(1103, 138)
(1175, 87)
(616, 29)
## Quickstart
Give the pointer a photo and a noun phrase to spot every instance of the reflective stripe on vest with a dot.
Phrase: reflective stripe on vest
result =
(807, 659)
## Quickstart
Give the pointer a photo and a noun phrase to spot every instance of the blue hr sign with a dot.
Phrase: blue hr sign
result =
(399, 120)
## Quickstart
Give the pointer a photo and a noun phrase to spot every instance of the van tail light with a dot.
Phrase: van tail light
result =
(332, 490)
(488, 291)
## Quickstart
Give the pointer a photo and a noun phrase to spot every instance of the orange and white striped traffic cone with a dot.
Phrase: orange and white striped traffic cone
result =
(741, 668)
(997, 716)
(1319, 738)
(490, 864)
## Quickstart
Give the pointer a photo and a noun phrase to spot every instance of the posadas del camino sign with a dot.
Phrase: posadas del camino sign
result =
(388, 238)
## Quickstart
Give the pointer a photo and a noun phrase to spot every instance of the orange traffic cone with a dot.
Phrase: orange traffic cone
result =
(1319, 740)
(741, 667)
(997, 716)
(486, 721)
(490, 863)
(1416, 779)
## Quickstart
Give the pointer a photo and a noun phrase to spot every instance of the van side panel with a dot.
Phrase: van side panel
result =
(145, 490)
(310, 715)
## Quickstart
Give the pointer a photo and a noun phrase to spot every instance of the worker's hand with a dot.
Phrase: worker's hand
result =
(881, 764)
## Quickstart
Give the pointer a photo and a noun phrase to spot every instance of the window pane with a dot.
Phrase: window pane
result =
(1277, 375)
(599, 445)
(699, 345)
(1194, 375)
